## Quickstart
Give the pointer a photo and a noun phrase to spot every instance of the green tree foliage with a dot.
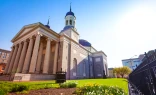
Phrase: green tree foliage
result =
(122, 71)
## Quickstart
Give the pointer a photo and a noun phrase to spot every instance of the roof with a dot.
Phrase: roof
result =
(67, 27)
(100, 52)
(3, 50)
(110, 68)
(84, 43)
(70, 13)
(130, 59)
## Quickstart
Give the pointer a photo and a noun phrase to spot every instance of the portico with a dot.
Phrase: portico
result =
(34, 53)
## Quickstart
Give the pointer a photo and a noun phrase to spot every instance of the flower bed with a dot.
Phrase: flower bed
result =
(79, 87)
(96, 89)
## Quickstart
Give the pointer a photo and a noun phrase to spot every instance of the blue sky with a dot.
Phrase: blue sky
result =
(120, 28)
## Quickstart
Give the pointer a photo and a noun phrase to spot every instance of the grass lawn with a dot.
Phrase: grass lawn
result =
(122, 83)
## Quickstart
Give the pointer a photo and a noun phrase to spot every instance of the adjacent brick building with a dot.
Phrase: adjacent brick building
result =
(4, 56)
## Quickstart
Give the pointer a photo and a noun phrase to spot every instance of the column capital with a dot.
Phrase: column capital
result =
(15, 45)
(31, 37)
(20, 42)
(49, 39)
(12, 46)
(38, 34)
(23, 41)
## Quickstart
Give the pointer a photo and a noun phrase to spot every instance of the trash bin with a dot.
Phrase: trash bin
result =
(60, 77)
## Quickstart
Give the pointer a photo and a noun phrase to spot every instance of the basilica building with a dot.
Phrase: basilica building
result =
(38, 53)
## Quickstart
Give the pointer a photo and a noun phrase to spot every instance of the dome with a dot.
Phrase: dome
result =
(47, 26)
(70, 13)
(67, 27)
(84, 43)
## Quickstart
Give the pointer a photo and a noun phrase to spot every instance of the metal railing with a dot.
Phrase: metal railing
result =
(144, 76)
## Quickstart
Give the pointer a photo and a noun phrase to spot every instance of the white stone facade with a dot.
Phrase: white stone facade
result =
(39, 52)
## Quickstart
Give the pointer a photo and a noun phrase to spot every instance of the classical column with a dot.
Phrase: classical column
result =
(12, 59)
(17, 58)
(55, 58)
(39, 59)
(22, 57)
(47, 57)
(8, 63)
(28, 56)
(34, 55)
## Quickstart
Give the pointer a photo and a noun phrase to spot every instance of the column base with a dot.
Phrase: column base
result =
(31, 77)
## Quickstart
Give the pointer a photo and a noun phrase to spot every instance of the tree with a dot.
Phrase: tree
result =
(122, 71)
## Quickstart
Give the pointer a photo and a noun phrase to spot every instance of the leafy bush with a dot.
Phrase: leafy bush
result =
(68, 85)
(6, 87)
(2, 92)
(19, 88)
(96, 89)
(48, 86)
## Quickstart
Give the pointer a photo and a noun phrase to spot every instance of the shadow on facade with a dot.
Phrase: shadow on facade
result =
(87, 68)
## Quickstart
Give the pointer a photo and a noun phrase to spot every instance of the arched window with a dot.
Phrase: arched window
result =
(70, 22)
(66, 22)
(75, 65)
(74, 23)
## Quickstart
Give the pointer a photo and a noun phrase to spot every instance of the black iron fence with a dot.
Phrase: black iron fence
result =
(144, 76)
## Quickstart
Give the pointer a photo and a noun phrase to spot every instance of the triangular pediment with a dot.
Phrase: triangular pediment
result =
(31, 28)
(26, 29)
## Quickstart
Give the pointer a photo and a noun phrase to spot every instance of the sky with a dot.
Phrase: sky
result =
(120, 28)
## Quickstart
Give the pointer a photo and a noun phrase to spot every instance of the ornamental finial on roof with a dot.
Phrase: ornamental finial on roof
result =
(70, 6)
(48, 21)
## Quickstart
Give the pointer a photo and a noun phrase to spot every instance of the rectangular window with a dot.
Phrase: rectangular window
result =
(90, 59)
(97, 60)
(3, 68)
(4, 56)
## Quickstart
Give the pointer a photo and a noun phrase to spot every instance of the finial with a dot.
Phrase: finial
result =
(48, 21)
(70, 6)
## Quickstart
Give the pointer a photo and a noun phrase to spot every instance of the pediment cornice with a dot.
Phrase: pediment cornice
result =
(29, 28)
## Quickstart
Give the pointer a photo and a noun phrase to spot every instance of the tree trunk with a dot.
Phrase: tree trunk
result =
(122, 75)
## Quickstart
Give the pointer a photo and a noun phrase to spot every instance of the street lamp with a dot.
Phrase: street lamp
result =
(132, 62)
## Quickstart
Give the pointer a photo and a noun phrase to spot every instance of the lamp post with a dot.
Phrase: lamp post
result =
(131, 61)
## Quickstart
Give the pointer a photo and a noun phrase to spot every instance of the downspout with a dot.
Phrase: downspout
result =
(69, 59)
(89, 64)
(93, 68)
